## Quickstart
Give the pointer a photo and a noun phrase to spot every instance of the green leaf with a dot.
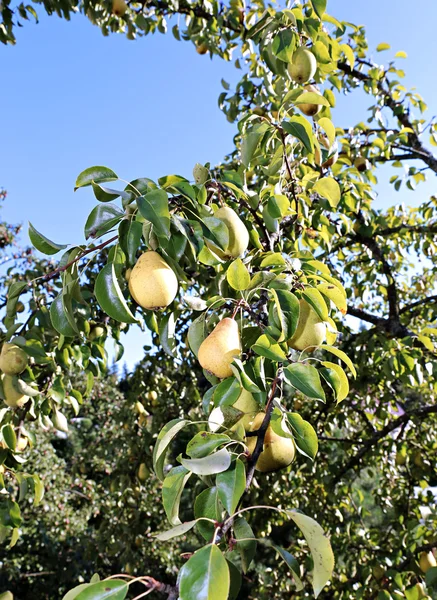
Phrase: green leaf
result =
(205, 576)
(237, 275)
(320, 7)
(383, 46)
(130, 234)
(104, 194)
(108, 589)
(62, 317)
(227, 392)
(328, 188)
(231, 485)
(284, 44)
(236, 581)
(38, 494)
(287, 306)
(340, 383)
(320, 547)
(316, 300)
(163, 441)
(292, 564)
(328, 127)
(197, 333)
(42, 243)
(219, 231)
(96, 174)
(247, 547)
(72, 594)
(110, 297)
(204, 443)
(207, 504)
(172, 489)
(9, 436)
(154, 207)
(250, 141)
(101, 219)
(342, 356)
(306, 379)
(176, 531)
(209, 465)
(167, 333)
(301, 129)
(304, 435)
(268, 347)
(311, 98)
(334, 293)
(431, 577)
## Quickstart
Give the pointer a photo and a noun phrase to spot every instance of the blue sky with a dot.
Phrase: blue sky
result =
(72, 98)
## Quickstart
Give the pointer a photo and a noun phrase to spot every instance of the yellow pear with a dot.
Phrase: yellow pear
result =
(127, 274)
(426, 561)
(249, 406)
(238, 234)
(218, 350)
(21, 446)
(420, 591)
(310, 331)
(143, 472)
(119, 7)
(13, 396)
(310, 110)
(153, 283)
(303, 65)
(6, 596)
(96, 332)
(13, 360)
(278, 452)
(202, 48)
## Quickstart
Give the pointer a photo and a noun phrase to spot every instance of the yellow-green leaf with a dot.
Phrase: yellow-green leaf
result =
(237, 275)
(328, 188)
(383, 46)
(343, 388)
(333, 293)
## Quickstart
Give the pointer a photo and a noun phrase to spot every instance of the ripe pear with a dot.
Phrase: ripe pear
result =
(218, 350)
(119, 7)
(238, 234)
(13, 396)
(202, 48)
(303, 65)
(361, 164)
(13, 360)
(427, 561)
(310, 331)
(310, 110)
(152, 283)
(7, 596)
(96, 332)
(127, 274)
(278, 452)
(249, 406)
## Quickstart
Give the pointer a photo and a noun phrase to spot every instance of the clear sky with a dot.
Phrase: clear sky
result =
(72, 98)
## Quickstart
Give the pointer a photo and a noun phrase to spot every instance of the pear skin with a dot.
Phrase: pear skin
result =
(152, 282)
(427, 561)
(303, 65)
(278, 452)
(13, 360)
(361, 164)
(310, 331)
(310, 110)
(249, 406)
(238, 234)
(13, 397)
(219, 349)
(119, 7)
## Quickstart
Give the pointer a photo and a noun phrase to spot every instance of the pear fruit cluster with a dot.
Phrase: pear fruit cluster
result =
(303, 65)
(219, 349)
(278, 452)
(13, 361)
(152, 282)
(310, 331)
(238, 234)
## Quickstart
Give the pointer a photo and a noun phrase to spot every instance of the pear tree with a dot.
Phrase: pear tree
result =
(252, 265)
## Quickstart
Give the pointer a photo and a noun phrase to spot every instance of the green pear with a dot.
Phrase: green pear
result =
(361, 164)
(152, 282)
(12, 394)
(303, 65)
(119, 7)
(310, 331)
(96, 332)
(278, 452)
(7, 596)
(238, 234)
(247, 404)
(427, 561)
(310, 110)
(143, 472)
(219, 349)
(13, 360)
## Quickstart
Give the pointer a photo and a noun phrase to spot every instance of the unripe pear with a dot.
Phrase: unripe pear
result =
(202, 48)
(361, 164)
(247, 404)
(238, 234)
(6, 596)
(303, 65)
(13, 396)
(278, 452)
(310, 110)
(13, 360)
(427, 561)
(152, 395)
(219, 349)
(143, 472)
(119, 7)
(19, 307)
(401, 457)
(310, 331)
(153, 283)
(420, 591)
(96, 332)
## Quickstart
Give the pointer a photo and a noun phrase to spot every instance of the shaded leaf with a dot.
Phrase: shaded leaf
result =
(110, 297)
(305, 436)
(231, 485)
(306, 379)
(42, 243)
(172, 489)
(205, 576)
(209, 465)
